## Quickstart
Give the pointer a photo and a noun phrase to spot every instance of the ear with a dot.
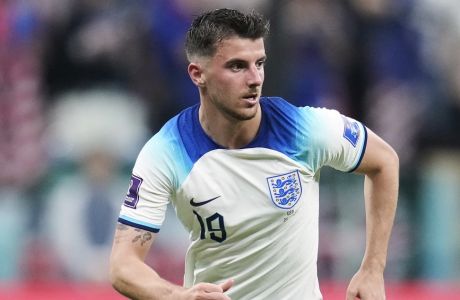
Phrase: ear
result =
(195, 72)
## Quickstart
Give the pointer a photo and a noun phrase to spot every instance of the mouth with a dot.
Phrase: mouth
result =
(251, 98)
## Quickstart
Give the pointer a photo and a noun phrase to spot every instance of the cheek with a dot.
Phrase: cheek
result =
(227, 83)
(220, 88)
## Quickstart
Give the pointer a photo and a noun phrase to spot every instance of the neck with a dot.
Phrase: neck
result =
(227, 131)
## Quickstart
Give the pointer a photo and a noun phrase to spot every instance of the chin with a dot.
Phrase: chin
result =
(246, 115)
(242, 113)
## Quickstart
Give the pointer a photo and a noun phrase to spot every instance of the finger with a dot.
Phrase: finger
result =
(351, 295)
(217, 296)
(209, 287)
(227, 285)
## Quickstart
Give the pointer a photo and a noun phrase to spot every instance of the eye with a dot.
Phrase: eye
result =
(260, 64)
(235, 67)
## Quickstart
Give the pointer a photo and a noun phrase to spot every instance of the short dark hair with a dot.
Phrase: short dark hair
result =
(211, 27)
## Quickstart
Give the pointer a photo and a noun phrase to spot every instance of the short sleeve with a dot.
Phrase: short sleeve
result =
(149, 191)
(332, 139)
(160, 168)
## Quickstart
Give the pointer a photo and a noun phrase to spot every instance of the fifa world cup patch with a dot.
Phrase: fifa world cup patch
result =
(132, 197)
(351, 131)
(285, 189)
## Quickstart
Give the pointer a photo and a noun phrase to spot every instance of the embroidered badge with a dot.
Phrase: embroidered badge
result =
(351, 131)
(285, 189)
(132, 197)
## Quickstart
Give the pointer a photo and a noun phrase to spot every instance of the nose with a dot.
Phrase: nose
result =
(255, 76)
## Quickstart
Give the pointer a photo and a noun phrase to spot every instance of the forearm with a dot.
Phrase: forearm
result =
(132, 277)
(381, 193)
(129, 274)
(136, 280)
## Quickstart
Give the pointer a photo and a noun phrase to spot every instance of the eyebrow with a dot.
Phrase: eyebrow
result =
(242, 61)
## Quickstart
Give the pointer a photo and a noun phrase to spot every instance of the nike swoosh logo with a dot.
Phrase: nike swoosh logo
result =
(193, 203)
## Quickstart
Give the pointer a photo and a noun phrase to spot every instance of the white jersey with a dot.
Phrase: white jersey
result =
(252, 213)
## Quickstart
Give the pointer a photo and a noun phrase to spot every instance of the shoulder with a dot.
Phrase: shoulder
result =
(305, 118)
(165, 151)
(161, 142)
(279, 114)
(277, 106)
(169, 137)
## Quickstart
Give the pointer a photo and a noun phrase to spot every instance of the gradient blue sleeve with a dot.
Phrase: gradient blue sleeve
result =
(331, 139)
(159, 169)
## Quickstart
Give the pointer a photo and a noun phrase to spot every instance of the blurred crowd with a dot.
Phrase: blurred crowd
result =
(84, 84)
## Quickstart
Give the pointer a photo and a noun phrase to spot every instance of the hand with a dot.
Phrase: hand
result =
(208, 291)
(366, 285)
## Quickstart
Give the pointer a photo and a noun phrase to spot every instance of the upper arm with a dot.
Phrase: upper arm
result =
(130, 242)
(377, 156)
(332, 139)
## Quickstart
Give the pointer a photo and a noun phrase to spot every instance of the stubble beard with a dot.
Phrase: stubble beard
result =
(240, 116)
(235, 115)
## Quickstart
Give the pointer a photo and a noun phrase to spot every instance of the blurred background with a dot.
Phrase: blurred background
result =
(84, 84)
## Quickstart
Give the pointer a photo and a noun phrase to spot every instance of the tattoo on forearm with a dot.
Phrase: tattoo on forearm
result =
(144, 237)
(122, 227)
(121, 232)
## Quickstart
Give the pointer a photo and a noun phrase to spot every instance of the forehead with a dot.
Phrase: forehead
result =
(240, 48)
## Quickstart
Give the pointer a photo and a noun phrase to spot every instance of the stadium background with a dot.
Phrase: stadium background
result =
(83, 84)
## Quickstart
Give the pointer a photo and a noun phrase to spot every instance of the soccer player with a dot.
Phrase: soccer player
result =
(242, 173)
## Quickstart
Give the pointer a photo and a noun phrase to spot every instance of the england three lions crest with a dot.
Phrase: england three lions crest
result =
(285, 189)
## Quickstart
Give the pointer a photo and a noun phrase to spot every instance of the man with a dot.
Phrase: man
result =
(242, 173)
